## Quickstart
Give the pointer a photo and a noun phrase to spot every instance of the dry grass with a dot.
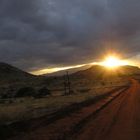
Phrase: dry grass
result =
(27, 108)
(12, 110)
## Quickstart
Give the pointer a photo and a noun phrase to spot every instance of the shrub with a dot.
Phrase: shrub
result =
(103, 83)
(84, 90)
(43, 92)
(4, 96)
(25, 91)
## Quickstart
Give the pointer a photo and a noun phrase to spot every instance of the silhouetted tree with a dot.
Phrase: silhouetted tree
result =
(42, 92)
(25, 91)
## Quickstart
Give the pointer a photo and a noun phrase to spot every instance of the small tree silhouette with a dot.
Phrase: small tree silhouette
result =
(42, 92)
(25, 91)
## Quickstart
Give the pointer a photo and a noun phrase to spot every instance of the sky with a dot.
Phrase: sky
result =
(41, 34)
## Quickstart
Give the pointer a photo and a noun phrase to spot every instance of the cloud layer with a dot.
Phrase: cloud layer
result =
(36, 34)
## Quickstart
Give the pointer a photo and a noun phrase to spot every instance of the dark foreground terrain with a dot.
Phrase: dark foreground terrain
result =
(115, 117)
(101, 105)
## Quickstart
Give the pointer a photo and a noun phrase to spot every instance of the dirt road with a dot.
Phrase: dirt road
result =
(117, 120)
(120, 120)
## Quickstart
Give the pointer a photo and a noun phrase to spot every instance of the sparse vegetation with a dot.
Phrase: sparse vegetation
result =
(26, 92)
(42, 92)
(17, 109)
(19, 101)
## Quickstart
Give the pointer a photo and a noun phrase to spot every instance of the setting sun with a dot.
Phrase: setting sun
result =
(113, 62)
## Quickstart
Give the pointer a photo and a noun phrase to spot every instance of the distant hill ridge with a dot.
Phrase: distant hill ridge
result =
(71, 71)
(8, 72)
(98, 71)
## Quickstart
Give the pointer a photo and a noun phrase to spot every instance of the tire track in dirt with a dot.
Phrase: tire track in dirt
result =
(118, 121)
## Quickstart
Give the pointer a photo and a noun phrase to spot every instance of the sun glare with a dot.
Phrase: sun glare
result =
(110, 62)
(113, 62)
(52, 70)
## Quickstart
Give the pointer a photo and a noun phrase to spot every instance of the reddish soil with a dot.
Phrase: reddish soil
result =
(113, 118)
(120, 120)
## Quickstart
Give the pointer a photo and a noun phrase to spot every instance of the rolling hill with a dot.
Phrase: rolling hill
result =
(98, 71)
(14, 78)
(71, 71)
(11, 73)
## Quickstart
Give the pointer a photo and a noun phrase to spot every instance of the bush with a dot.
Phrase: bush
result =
(84, 90)
(43, 92)
(4, 96)
(25, 91)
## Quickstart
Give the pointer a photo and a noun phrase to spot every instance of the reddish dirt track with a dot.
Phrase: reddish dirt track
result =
(117, 120)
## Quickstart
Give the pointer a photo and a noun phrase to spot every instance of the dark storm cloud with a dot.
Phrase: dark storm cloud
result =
(44, 33)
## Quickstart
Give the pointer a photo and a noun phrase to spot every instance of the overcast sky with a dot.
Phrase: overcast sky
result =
(37, 34)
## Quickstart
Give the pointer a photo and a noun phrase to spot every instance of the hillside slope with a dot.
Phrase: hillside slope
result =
(98, 71)
(8, 72)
